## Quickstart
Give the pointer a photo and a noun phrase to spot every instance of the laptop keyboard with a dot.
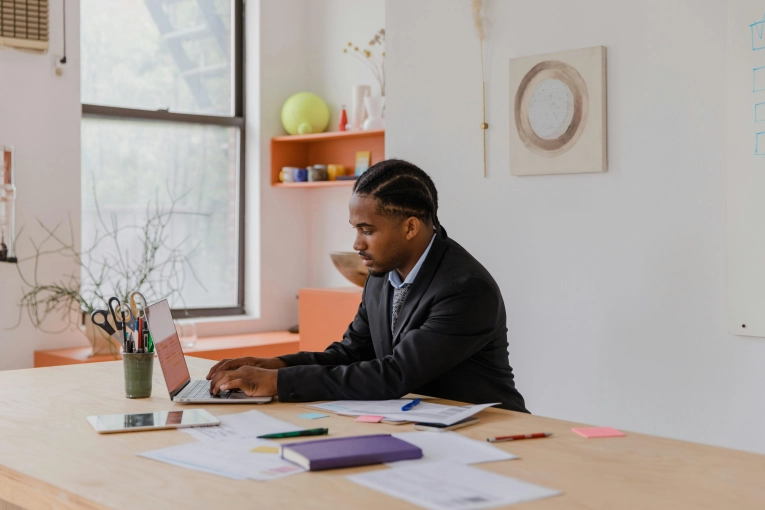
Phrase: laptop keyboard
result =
(201, 389)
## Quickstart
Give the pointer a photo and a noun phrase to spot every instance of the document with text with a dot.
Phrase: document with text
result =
(237, 459)
(247, 425)
(450, 486)
(424, 412)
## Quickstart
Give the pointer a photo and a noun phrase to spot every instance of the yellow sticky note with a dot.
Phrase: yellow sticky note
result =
(265, 449)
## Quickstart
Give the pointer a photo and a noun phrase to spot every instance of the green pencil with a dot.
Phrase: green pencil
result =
(308, 432)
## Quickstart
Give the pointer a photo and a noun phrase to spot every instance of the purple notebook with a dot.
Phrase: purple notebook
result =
(349, 451)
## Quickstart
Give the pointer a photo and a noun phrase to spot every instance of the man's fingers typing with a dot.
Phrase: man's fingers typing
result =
(238, 384)
(216, 367)
(219, 379)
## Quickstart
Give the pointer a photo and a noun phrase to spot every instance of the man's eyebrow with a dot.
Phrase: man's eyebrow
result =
(362, 224)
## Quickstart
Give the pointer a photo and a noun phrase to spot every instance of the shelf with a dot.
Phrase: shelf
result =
(319, 184)
(339, 147)
(333, 135)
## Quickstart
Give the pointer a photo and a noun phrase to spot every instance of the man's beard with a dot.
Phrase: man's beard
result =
(377, 274)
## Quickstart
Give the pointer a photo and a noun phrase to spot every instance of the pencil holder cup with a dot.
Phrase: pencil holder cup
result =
(138, 369)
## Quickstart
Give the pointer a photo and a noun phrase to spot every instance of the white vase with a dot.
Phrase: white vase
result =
(357, 105)
(374, 106)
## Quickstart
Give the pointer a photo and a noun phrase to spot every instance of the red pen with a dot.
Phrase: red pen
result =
(140, 335)
(499, 439)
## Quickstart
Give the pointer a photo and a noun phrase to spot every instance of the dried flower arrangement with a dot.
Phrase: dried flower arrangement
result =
(374, 57)
(480, 30)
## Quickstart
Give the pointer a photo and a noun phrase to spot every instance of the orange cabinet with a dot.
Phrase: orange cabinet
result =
(325, 315)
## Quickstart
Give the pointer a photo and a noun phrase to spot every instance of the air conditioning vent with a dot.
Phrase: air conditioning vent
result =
(24, 24)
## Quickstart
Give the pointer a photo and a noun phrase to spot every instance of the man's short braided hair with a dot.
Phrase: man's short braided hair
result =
(400, 189)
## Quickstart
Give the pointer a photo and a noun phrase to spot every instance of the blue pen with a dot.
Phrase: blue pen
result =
(411, 404)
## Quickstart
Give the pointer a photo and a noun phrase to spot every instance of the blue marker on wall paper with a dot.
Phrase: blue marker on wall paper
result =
(758, 79)
(759, 112)
(759, 144)
(758, 34)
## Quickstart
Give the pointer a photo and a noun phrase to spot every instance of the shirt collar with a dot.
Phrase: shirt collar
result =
(395, 279)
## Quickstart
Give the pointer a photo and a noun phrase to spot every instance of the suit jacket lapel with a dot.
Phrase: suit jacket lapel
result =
(384, 311)
(420, 284)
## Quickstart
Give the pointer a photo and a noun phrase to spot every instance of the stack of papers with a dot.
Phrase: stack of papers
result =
(451, 486)
(440, 480)
(247, 425)
(424, 412)
(232, 459)
(232, 449)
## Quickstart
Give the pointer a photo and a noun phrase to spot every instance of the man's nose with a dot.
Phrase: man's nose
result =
(358, 244)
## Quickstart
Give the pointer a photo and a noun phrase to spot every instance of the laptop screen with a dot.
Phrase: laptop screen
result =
(167, 345)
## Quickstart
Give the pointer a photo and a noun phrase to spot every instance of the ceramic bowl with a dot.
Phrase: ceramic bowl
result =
(351, 266)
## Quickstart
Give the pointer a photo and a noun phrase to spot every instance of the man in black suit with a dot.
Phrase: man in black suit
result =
(431, 321)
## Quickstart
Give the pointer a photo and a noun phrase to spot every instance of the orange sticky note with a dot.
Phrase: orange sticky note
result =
(370, 419)
(265, 449)
(594, 432)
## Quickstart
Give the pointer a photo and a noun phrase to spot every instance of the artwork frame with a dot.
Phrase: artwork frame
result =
(558, 120)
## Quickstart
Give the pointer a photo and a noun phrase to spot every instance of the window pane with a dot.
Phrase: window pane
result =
(158, 54)
(129, 168)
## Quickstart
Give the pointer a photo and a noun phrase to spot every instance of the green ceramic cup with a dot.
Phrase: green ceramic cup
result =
(138, 369)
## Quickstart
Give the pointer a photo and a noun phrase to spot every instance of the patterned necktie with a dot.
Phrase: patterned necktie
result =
(399, 295)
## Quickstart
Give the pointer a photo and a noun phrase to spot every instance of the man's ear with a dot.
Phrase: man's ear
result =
(413, 226)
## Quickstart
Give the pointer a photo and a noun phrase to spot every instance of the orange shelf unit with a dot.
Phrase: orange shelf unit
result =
(338, 147)
(317, 184)
(260, 345)
(325, 315)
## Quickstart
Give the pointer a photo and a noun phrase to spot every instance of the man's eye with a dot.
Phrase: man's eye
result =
(366, 232)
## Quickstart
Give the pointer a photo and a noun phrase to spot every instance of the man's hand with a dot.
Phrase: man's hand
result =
(253, 381)
(233, 364)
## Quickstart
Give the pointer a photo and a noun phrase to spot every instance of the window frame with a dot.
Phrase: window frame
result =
(236, 120)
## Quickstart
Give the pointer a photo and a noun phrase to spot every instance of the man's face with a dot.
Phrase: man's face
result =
(382, 242)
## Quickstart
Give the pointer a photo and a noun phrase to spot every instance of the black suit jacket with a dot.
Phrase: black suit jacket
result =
(450, 341)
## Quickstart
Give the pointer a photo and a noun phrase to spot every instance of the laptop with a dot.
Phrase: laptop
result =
(182, 389)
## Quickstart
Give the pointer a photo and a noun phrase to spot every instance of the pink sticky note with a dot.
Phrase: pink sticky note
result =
(591, 432)
(370, 419)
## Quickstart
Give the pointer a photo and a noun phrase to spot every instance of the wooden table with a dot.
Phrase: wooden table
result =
(50, 457)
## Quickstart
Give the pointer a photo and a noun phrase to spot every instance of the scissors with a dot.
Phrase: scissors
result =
(103, 321)
(120, 313)
(101, 317)
(138, 308)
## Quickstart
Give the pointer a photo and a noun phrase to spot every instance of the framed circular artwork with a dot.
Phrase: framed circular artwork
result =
(558, 122)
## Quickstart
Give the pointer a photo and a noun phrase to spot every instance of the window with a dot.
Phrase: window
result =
(162, 94)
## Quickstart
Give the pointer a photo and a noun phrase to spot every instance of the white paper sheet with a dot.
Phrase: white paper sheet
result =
(450, 486)
(248, 425)
(450, 446)
(342, 407)
(232, 459)
(423, 412)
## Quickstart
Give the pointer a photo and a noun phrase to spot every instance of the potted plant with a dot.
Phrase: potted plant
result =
(107, 268)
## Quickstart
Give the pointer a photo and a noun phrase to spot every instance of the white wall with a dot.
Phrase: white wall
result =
(276, 228)
(291, 46)
(334, 23)
(40, 117)
(295, 228)
(614, 283)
